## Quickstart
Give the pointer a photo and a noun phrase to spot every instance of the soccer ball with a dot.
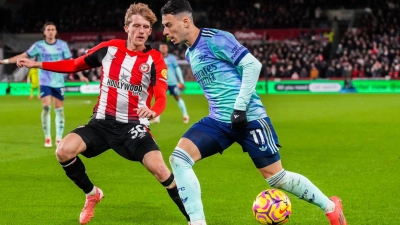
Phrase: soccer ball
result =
(272, 207)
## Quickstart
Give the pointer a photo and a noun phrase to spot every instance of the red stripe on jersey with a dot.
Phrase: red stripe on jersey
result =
(114, 75)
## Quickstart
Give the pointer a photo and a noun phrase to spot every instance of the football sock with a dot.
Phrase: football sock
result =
(46, 123)
(182, 106)
(92, 192)
(188, 184)
(173, 192)
(301, 187)
(32, 92)
(76, 171)
(60, 120)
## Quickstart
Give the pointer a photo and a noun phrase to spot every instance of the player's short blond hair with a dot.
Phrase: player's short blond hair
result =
(140, 9)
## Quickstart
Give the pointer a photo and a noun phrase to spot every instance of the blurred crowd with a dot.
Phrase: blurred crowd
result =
(103, 15)
(371, 50)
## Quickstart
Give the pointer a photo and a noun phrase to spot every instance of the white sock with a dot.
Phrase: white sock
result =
(301, 187)
(92, 192)
(185, 178)
(198, 222)
(330, 207)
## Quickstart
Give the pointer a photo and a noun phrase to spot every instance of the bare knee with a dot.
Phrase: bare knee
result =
(155, 164)
(272, 169)
(161, 172)
(69, 147)
(64, 152)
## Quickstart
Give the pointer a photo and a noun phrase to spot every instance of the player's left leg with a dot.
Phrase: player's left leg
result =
(154, 162)
(139, 145)
(58, 99)
(174, 90)
(31, 93)
(261, 143)
(182, 107)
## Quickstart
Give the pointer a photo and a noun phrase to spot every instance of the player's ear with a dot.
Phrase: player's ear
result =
(186, 22)
(126, 28)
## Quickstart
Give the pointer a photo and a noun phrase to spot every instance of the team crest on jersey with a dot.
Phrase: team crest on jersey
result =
(144, 68)
(164, 73)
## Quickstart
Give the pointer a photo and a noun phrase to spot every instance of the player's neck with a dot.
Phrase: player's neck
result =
(50, 40)
(135, 48)
(193, 34)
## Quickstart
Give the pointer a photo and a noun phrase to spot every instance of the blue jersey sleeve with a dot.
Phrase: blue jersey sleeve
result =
(33, 51)
(66, 52)
(225, 46)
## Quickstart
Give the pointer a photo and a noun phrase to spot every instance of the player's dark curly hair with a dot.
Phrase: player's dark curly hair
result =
(174, 7)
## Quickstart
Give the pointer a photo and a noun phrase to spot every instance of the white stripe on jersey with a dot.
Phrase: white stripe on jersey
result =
(125, 75)
(146, 80)
(101, 110)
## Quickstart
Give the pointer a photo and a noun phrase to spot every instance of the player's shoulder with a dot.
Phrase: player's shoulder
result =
(171, 56)
(114, 42)
(152, 51)
(62, 42)
(40, 42)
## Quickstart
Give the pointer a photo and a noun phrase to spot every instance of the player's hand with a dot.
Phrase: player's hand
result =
(146, 113)
(181, 86)
(1, 62)
(28, 63)
(84, 79)
(238, 119)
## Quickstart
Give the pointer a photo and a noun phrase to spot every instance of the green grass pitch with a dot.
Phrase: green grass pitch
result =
(348, 145)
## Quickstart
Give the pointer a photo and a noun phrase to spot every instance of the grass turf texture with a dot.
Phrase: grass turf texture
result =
(346, 144)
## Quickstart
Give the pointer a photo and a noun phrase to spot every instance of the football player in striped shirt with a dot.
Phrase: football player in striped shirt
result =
(228, 74)
(132, 74)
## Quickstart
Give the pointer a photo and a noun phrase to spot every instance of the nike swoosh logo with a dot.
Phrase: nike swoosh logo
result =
(283, 210)
(236, 116)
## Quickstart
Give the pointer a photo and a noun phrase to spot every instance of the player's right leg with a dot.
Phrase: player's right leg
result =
(45, 94)
(203, 139)
(88, 141)
(58, 99)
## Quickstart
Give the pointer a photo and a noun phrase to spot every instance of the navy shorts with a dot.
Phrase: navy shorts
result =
(258, 139)
(174, 90)
(55, 92)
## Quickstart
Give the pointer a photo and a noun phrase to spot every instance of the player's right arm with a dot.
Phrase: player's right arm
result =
(62, 66)
(91, 60)
(14, 59)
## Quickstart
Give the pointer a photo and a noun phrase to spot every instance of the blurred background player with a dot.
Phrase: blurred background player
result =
(175, 81)
(33, 79)
(51, 83)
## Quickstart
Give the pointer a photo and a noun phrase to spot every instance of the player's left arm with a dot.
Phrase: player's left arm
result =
(235, 53)
(160, 86)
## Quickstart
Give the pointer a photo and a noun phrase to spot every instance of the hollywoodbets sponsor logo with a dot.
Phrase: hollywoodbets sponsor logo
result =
(135, 89)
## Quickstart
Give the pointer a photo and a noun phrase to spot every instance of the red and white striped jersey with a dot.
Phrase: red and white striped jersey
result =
(128, 80)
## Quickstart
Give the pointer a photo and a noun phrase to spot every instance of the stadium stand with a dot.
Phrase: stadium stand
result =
(362, 44)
